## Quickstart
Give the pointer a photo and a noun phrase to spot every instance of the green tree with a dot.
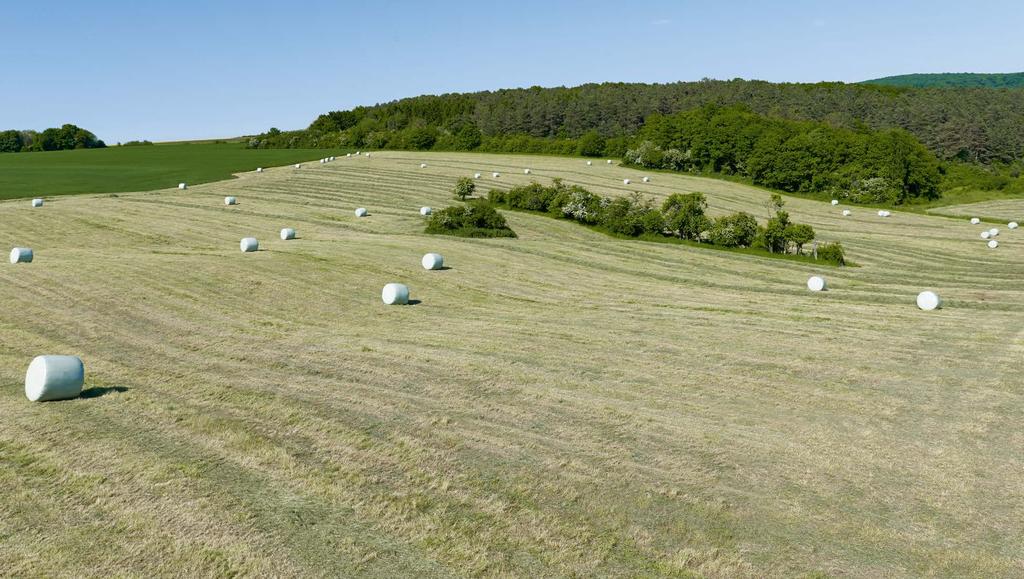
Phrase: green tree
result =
(591, 144)
(464, 187)
(799, 234)
(684, 215)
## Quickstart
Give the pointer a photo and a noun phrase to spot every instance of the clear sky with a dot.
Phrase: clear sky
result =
(181, 69)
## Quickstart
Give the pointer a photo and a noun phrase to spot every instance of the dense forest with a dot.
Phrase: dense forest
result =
(975, 125)
(53, 139)
(954, 80)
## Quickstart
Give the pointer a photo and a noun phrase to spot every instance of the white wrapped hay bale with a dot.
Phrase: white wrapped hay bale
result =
(835, 202)
(992, 244)
(54, 378)
(395, 294)
(847, 213)
(625, 181)
(647, 179)
(367, 155)
(259, 169)
(975, 221)
(322, 161)
(348, 155)
(476, 175)
(423, 165)
(37, 203)
(287, 233)
(609, 161)
(229, 200)
(928, 301)
(361, 212)
(21, 255)
(816, 283)
(994, 231)
(495, 174)
(432, 261)
(182, 186)
(249, 244)
(1012, 225)
(883, 213)
(985, 235)
(330, 159)
(425, 211)
(589, 163)
(357, 153)
(526, 171)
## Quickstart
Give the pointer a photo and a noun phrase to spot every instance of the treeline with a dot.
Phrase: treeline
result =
(967, 124)
(863, 166)
(681, 215)
(954, 80)
(53, 139)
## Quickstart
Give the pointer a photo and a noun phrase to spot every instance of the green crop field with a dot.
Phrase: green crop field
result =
(560, 404)
(141, 168)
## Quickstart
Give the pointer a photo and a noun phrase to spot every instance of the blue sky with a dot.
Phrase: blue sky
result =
(206, 68)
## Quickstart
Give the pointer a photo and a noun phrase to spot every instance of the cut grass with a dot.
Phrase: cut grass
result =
(561, 404)
(142, 168)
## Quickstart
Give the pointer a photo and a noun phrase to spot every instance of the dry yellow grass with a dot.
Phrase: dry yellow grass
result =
(559, 404)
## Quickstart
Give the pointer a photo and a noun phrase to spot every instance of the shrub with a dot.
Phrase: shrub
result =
(475, 219)
(464, 187)
(832, 252)
(738, 230)
(632, 216)
(590, 145)
(799, 234)
(684, 215)
(582, 206)
(532, 197)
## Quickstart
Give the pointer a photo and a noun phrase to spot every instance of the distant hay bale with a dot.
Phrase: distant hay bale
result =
(37, 203)
(816, 283)
(985, 235)
(495, 174)
(298, 165)
(432, 261)
(975, 221)
(589, 163)
(322, 161)
(54, 378)
(249, 244)
(1012, 225)
(229, 200)
(361, 212)
(625, 181)
(287, 233)
(646, 179)
(395, 294)
(609, 161)
(993, 244)
(928, 301)
(348, 154)
(994, 231)
(259, 169)
(425, 211)
(357, 153)
(331, 158)
(21, 255)
(476, 175)
(423, 165)
(182, 186)
(883, 213)
(526, 171)
(835, 202)
(847, 213)
(367, 155)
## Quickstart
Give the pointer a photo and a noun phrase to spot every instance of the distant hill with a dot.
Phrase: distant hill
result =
(953, 80)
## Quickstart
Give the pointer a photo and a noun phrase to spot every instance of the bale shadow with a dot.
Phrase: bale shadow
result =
(414, 302)
(443, 268)
(97, 391)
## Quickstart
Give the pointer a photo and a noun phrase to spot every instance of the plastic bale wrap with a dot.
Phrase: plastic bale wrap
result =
(432, 261)
(249, 244)
(395, 294)
(54, 378)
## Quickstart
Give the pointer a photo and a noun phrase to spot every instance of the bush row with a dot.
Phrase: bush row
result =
(477, 218)
(681, 215)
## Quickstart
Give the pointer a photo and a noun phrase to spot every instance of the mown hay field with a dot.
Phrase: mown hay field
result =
(559, 404)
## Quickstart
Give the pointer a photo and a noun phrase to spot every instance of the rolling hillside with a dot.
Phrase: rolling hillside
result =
(564, 403)
(953, 80)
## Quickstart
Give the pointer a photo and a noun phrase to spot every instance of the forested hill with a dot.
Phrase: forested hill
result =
(979, 125)
(953, 80)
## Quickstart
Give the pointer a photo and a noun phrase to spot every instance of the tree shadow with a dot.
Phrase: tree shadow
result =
(97, 391)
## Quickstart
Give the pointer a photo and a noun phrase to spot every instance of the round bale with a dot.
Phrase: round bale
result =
(21, 255)
(432, 261)
(495, 174)
(647, 179)
(816, 283)
(298, 165)
(835, 202)
(975, 221)
(625, 181)
(182, 186)
(259, 169)
(425, 211)
(609, 161)
(249, 244)
(928, 301)
(423, 165)
(229, 200)
(526, 171)
(54, 378)
(985, 235)
(395, 294)
(992, 244)
(1012, 225)
(37, 203)
(476, 175)
(847, 212)
(361, 212)
(994, 231)
(589, 163)
(287, 233)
